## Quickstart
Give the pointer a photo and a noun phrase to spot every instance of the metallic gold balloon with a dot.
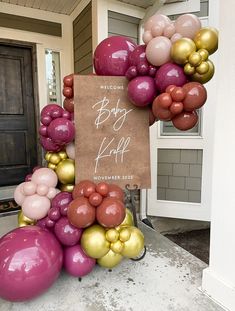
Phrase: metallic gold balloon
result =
(67, 188)
(94, 242)
(189, 69)
(125, 234)
(202, 68)
(110, 260)
(112, 235)
(24, 221)
(204, 54)
(65, 171)
(203, 78)
(63, 155)
(181, 50)
(128, 220)
(207, 38)
(54, 158)
(51, 166)
(195, 59)
(133, 247)
(117, 247)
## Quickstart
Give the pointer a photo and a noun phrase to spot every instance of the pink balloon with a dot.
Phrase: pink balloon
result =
(70, 150)
(169, 31)
(157, 30)
(45, 176)
(147, 36)
(157, 19)
(30, 262)
(176, 37)
(35, 206)
(42, 189)
(29, 188)
(188, 25)
(111, 56)
(52, 192)
(76, 262)
(158, 51)
(18, 194)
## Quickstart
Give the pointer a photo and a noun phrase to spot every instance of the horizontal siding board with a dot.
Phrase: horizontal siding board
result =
(84, 36)
(123, 28)
(123, 17)
(87, 70)
(84, 62)
(82, 23)
(85, 10)
(30, 24)
(84, 49)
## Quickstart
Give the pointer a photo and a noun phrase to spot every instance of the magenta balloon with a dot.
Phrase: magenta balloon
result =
(49, 145)
(111, 56)
(61, 131)
(66, 233)
(138, 55)
(169, 74)
(76, 262)
(30, 261)
(54, 214)
(61, 201)
(141, 91)
(52, 110)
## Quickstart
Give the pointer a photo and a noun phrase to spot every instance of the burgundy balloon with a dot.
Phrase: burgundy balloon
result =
(185, 120)
(54, 214)
(141, 91)
(30, 261)
(196, 96)
(76, 262)
(110, 213)
(131, 72)
(61, 131)
(68, 92)
(138, 55)
(68, 80)
(43, 130)
(49, 145)
(48, 110)
(81, 213)
(111, 57)
(168, 74)
(66, 233)
(61, 201)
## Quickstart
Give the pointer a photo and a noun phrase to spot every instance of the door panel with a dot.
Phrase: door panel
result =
(17, 115)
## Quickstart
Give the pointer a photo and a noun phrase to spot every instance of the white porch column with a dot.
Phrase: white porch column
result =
(219, 278)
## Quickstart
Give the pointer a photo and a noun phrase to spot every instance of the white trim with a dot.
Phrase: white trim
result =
(79, 8)
(127, 9)
(99, 22)
(180, 7)
(219, 290)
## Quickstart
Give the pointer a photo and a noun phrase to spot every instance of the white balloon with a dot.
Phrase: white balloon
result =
(70, 150)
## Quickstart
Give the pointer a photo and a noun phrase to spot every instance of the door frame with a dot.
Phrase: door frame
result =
(6, 191)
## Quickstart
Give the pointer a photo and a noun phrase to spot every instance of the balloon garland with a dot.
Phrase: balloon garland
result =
(80, 225)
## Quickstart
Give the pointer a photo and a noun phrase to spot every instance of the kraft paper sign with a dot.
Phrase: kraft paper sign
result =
(112, 135)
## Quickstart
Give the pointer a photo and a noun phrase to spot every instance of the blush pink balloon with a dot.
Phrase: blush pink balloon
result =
(36, 207)
(29, 188)
(157, 19)
(76, 262)
(52, 192)
(18, 194)
(157, 31)
(188, 25)
(70, 150)
(45, 176)
(176, 37)
(42, 189)
(147, 36)
(169, 31)
(158, 51)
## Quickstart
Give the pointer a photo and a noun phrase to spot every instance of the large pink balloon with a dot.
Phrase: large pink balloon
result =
(157, 20)
(111, 56)
(187, 25)
(76, 262)
(35, 206)
(158, 51)
(30, 261)
(45, 176)
(18, 194)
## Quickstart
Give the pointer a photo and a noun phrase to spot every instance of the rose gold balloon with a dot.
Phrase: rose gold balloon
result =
(159, 112)
(102, 188)
(176, 107)
(164, 100)
(178, 94)
(115, 192)
(196, 96)
(185, 120)
(69, 104)
(95, 199)
(187, 25)
(79, 189)
(81, 213)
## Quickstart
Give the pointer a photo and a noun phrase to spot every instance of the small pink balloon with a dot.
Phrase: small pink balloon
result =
(176, 37)
(169, 31)
(19, 197)
(42, 190)
(52, 192)
(45, 176)
(29, 188)
(157, 19)
(147, 36)
(157, 30)
(188, 25)
(158, 51)
(70, 150)
(35, 206)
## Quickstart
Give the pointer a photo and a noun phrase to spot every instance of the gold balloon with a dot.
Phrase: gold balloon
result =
(202, 68)
(125, 235)
(65, 171)
(51, 166)
(189, 69)
(112, 235)
(207, 38)
(94, 242)
(24, 221)
(204, 54)
(117, 247)
(67, 188)
(54, 158)
(133, 247)
(47, 156)
(181, 50)
(128, 220)
(63, 155)
(203, 78)
(110, 260)
(195, 59)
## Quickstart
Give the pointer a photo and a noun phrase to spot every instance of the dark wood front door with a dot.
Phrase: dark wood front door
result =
(18, 142)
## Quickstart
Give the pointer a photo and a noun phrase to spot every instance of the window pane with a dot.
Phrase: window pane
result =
(53, 77)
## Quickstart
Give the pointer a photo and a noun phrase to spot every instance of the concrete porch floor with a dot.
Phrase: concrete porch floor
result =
(167, 278)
